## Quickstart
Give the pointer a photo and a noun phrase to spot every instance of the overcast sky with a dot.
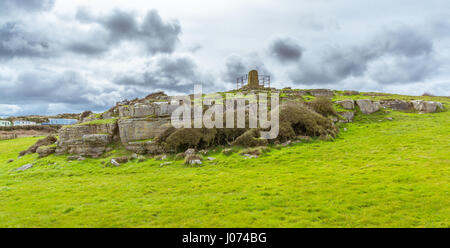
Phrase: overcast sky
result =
(69, 56)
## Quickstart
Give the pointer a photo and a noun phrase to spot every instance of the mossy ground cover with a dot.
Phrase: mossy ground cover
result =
(378, 173)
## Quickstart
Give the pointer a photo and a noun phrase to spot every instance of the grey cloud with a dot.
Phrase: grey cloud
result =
(15, 41)
(411, 53)
(169, 73)
(87, 48)
(403, 41)
(34, 86)
(395, 69)
(285, 50)
(8, 6)
(158, 35)
(154, 34)
(236, 66)
(40, 91)
(121, 25)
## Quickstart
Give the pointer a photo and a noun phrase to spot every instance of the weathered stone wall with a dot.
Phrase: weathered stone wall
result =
(141, 120)
(144, 110)
(87, 140)
(142, 128)
(8, 136)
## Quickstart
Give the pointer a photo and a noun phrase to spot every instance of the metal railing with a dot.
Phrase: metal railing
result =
(263, 80)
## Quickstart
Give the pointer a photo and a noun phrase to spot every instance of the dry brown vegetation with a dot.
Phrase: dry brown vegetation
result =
(323, 106)
(296, 118)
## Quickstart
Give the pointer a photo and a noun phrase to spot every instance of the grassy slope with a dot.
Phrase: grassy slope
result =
(376, 174)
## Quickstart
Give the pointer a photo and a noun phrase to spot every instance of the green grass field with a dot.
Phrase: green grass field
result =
(378, 173)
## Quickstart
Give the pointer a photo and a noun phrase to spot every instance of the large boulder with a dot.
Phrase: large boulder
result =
(347, 104)
(368, 106)
(348, 116)
(93, 145)
(396, 105)
(142, 128)
(87, 140)
(49, 140)
(84, 115)
(66, 134)
(45, 151)
(426, 106)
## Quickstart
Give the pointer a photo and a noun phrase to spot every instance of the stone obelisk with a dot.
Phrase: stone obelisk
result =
(253, 81)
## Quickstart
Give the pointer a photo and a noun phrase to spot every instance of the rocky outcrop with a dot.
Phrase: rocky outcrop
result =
(396, 104)
(45, 151)
(87, 140)
(350, 92)
(321, 92)
(142, 128)
(137, 122)
(368, 106)
(348, 116)
(426, 106)
(144, 147)
(144, 110)
(8, 136)
(49, 140)
(84, 115)
(92, 145)
(347, 104)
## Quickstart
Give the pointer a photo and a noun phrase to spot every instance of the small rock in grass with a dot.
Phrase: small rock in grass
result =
(25, 167)
(211, 158)
(189, 151)
(161, 157)
(141, 159)
(247, 156)
(345, 129)
(179, 156)
(121, 160)
(114, 162)
(10, 161)
(133, 156)
(227, 151)
(165, 163)
(72, 157)
(389, 118)
(193, 159)
(286, 143)
(203, 152)
(303, 138)
(251, 152)
(81, 158)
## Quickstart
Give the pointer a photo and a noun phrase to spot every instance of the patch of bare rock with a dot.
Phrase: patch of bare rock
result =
(47, 141)
(143, 126)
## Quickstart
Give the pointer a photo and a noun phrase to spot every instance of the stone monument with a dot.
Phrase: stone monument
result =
(253, 81)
